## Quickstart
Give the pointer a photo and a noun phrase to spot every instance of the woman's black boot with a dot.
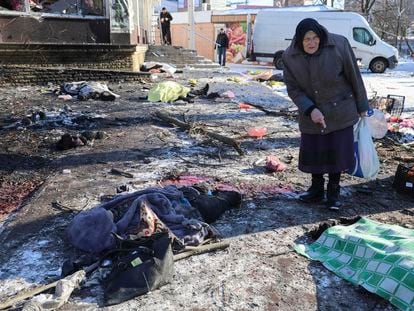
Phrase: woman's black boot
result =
(333, 191)
(316, 191)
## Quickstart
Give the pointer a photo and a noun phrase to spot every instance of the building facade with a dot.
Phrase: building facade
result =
(76, 21)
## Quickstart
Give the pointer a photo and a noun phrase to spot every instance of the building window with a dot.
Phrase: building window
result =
(72, 7)
(363, 36)
(65, 7)
(12, 5)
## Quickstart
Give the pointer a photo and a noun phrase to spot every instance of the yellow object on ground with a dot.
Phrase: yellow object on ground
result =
(167, 91)
(193, 82)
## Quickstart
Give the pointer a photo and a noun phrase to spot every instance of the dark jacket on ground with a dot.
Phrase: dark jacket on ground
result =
(223, 40)
(328, 79)
(166, 15)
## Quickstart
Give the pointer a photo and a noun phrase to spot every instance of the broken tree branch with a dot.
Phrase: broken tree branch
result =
(190, 251)
(37, 290)
(275, 113)
(404, 159)
(117, 171)
(188, 127)
(199, 163)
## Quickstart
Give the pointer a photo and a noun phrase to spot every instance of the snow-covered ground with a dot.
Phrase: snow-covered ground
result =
(398, 81)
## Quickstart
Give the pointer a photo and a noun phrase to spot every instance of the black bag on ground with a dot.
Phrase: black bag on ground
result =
(145, 267)
(404, 179)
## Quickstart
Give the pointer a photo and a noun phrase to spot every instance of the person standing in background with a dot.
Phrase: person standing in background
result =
(222, 43)
(165, 20)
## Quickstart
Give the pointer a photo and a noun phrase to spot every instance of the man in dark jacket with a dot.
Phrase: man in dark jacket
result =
(222, 43)
(165, 19)
(324, 82)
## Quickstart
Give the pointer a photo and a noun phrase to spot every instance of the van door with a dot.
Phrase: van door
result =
(363, 45)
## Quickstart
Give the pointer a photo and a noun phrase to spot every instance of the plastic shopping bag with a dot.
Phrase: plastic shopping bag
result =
(377, 124)
(366, 158)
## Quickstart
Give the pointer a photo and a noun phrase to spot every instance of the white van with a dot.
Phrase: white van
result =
(274, 29)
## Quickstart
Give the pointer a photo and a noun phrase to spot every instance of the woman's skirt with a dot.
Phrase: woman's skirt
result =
(330, 153)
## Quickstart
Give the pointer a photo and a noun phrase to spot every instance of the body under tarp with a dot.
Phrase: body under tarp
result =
(377, 256)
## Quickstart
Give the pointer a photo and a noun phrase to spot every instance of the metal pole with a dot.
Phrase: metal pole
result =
(191, 25)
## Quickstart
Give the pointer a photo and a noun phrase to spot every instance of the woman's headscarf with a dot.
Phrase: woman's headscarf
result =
(309, 24)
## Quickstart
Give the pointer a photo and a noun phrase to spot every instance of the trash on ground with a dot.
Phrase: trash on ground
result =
(257, 132)
(228, 94)
(244, 106)
(63, 290)
(403, 127)
(234, 79)
(273, 164)
(117, 171)
(68, 141)
(266, 76)
(65, 97)
(192, 82)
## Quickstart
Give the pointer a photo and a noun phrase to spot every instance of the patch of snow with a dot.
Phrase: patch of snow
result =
(32, 263)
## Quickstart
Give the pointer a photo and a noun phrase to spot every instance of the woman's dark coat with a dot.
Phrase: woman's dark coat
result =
(330, 80)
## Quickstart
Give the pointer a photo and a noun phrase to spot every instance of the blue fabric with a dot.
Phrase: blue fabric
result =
(93, 230)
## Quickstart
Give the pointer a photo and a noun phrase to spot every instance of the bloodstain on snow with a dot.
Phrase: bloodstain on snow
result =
(13, 194)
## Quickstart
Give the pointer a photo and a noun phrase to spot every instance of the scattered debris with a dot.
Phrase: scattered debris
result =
(198, 129)
(117, 171)
(65, 97)
(68, 141)
(228, 94)
(257, 132)
(244, 106)
(284, 112)
(89, 90)
(273, 164)
(63, 290)
(61, 295)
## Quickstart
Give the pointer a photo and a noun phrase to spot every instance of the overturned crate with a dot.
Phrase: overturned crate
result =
(391, 104)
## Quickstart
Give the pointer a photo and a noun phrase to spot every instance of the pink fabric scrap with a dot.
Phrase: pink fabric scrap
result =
(273, 164)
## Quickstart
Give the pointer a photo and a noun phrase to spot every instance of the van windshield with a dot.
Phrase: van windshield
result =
(362, 35)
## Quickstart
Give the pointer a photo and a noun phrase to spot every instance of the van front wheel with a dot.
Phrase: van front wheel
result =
(378, 65)
(278, 61)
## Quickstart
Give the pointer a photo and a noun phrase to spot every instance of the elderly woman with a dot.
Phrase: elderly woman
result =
(323, 80)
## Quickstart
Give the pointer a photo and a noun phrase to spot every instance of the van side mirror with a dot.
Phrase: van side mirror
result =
(373, 42)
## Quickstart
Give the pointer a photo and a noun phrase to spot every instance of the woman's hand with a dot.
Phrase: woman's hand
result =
(318, 118)
(363, 114)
